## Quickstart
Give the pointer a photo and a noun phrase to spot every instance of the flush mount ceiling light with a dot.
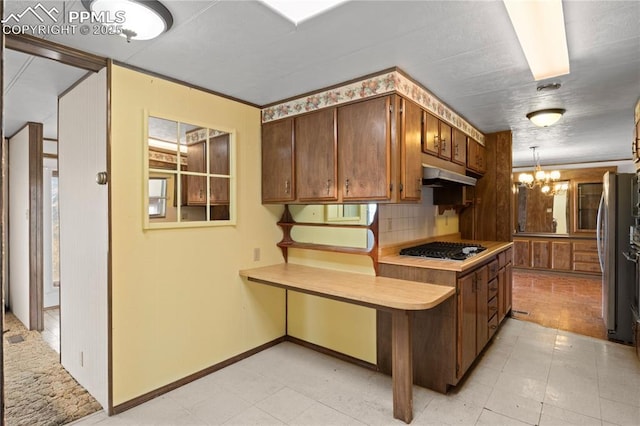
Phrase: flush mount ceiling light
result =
(300, 10)
(539, 25)
(140, 19)
(545, 117)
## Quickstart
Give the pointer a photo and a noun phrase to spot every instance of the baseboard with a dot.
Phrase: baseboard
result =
(332, 353)
(188, 379)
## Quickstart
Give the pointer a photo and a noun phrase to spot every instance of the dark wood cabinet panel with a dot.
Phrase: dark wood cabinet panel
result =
(316, 156)
(561, 255)
(219, 165)
(467, 314)
(459, 147)
(410, 147)
(482, 311)
(521, 253)
(445, 141)
(540, 254)
(431, 139)
(364, 151)
(476, 156)
(278, 161)
(196, 185)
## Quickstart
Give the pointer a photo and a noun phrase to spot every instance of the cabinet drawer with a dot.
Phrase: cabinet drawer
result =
(585, 246)
(493, 269)
(492, 308)
(492, 325)
(585, 257)
(493, 288)
(586, 267)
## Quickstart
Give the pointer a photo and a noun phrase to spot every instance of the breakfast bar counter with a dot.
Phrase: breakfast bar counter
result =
(399, 297)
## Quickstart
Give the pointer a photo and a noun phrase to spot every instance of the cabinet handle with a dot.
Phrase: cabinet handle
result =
(493, 326)
(419, 189)
(456, 149)
(493, 308)
(287, 186)
(436, 144)
(346, 185)
(328, 185)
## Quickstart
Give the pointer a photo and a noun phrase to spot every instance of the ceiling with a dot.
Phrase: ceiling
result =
(464, 52)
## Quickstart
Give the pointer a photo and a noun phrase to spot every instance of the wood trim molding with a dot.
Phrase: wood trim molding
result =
(4, 216)
(36, 228)
(49, 50)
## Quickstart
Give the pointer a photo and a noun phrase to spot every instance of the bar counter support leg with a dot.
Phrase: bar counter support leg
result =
(402, 365)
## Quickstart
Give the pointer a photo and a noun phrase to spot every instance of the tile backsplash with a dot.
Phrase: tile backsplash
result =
(409, 222)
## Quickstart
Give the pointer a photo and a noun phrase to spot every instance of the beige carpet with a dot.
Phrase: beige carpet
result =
(38, 390)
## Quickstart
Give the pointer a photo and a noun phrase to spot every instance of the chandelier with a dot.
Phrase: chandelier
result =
(545, 180)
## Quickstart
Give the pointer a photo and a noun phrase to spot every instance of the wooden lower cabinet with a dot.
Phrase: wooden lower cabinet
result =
(559, 254)
(540, 254)
(448, 339)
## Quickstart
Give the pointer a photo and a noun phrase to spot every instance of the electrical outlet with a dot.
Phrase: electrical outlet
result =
(256, 254)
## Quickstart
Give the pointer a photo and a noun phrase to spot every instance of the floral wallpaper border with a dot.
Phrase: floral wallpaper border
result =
(391, 82)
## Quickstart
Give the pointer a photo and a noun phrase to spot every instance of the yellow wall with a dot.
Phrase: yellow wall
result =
(178, 305)
(342, 327)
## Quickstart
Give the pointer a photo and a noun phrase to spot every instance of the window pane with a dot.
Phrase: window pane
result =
(163, 143)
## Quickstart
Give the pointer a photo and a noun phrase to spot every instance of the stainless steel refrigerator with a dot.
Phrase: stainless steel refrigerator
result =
(613, 223)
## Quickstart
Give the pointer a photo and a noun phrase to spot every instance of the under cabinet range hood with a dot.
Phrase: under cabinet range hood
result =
(434, 176)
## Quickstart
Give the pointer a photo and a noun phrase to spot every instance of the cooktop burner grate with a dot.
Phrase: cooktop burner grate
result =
(444, 250)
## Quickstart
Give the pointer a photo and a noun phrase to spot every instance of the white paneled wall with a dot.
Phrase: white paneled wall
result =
(19, 225)
(84, 234)
(409, 222)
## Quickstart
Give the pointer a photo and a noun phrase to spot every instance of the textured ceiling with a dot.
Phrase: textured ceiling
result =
(465, 52)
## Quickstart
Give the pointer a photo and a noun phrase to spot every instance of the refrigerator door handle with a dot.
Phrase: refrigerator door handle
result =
(599, 232)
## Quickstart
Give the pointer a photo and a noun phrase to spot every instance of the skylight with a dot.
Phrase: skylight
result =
(300, 10)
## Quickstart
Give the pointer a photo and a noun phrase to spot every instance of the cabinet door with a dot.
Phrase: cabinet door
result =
(316, 156)
(482, 159)
(364, 150)
(521, 253)
(411, 146)
(431, 139)
(219, 165)
(586, 200)
(561, 255)
(482, 312)
(472, 154)
(540, 257)
(277, 161)
(445, 141)
(196, 185)
(502, 282)
(459, 150)
(508, 288)
(466, 323)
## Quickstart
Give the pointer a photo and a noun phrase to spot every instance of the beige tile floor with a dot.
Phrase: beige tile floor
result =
(528, 374)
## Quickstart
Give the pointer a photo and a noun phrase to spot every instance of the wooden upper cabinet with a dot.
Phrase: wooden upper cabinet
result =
(364, 149)
(219, 165)
(411, 147)
(278, 161)
(445, 141)
(196, 185)
(316, 156)
(431, 140)
(459, 147)
(476, 157)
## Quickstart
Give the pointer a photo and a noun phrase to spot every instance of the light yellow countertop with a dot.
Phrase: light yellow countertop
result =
(493, 248)
(367, 290)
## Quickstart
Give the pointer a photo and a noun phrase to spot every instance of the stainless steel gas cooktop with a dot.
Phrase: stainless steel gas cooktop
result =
(444, 250)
